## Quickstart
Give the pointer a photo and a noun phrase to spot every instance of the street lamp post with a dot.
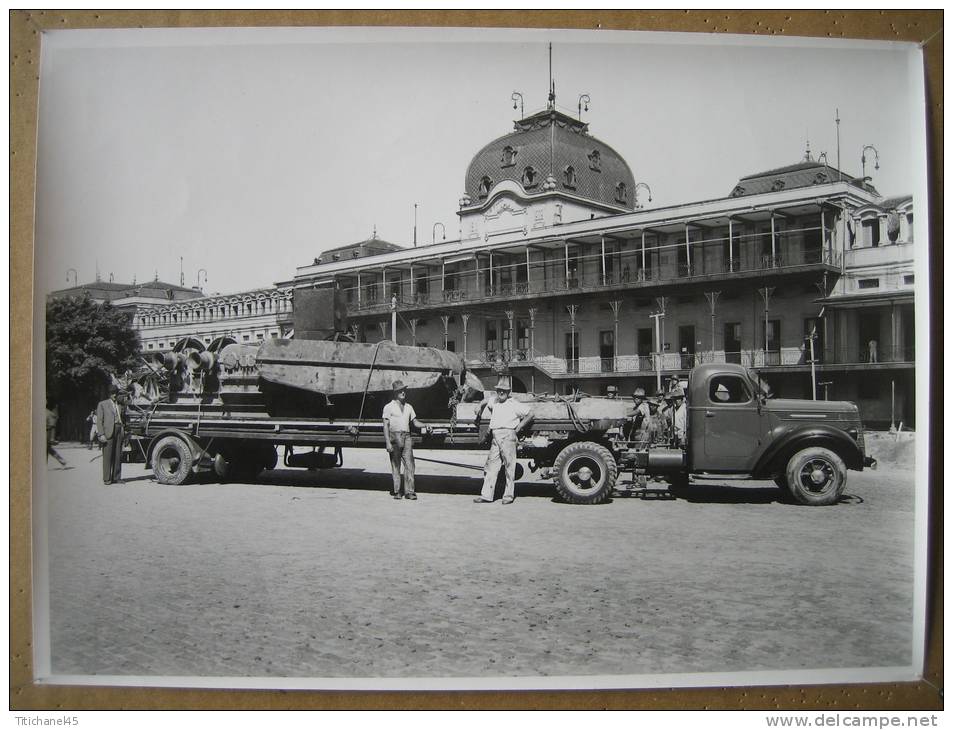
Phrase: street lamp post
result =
(863, 159)
(583, 101)
(635, 194)
(517, 95)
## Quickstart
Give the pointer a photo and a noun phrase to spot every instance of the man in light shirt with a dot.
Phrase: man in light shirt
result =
(399, 416)
(508, 417)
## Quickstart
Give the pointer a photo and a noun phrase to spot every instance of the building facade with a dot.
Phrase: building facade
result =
(249, 317)
(803, 273)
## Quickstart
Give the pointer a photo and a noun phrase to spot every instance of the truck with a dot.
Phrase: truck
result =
(231, 408)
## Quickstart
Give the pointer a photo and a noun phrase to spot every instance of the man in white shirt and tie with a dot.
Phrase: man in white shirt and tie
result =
(111, 435)
(399, 416)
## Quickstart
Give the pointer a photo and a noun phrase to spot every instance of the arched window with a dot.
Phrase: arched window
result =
(620, 192)
(595, 160)
(508, 158)
(530, 177)
(485, 186)
(778, 185)
(569, 177)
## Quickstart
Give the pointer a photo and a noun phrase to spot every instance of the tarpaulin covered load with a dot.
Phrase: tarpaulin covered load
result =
(340, 368)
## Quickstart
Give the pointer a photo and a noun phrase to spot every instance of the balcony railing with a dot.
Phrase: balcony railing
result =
(651, 276)
(667, 362)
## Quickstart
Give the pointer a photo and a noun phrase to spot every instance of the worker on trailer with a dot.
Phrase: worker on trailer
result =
(399, 416)
(508, 418)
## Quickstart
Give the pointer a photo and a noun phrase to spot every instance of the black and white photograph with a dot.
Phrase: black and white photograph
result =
(458, 358)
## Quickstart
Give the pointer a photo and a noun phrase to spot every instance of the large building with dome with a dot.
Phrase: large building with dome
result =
(562, 277)
(547, 172)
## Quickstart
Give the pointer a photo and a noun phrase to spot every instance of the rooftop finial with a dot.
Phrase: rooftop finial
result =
(552, 82)
(807, 153)
(374, 235)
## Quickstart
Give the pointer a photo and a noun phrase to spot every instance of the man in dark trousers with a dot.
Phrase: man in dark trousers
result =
(111, 434)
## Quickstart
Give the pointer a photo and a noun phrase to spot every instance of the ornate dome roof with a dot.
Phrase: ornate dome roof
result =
(550, 152)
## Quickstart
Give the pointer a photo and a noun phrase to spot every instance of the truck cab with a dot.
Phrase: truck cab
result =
(735, 427)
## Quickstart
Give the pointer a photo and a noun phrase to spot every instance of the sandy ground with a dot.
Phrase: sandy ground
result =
(324, 575)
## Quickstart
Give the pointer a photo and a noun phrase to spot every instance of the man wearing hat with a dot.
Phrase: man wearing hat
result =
(679, 415)
(612, 391)
(399, 416)
(640, 418)
(111, 435)
(508, 417)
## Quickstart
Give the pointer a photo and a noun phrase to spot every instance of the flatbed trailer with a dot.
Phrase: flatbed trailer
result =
(233, 424)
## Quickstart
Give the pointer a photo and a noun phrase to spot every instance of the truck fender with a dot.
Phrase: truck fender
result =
(197, 450)
(786, 444)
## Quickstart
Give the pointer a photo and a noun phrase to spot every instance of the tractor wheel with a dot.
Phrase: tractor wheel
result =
(585, 473)
(172, 460)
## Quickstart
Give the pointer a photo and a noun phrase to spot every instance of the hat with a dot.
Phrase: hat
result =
(677, 393)
(504, 383)
(638, 393)
(611, 389)
(399, 386)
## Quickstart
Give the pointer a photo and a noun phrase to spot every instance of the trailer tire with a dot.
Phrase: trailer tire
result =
(816, 476)
(172, 460)
(585, 473)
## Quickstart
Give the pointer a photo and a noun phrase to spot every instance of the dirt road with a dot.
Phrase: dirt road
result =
(287, 578)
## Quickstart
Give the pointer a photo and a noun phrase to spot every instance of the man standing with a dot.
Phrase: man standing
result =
(679, 414)
(91, 425)
(398, 416)
(111, 435)
(508, 418)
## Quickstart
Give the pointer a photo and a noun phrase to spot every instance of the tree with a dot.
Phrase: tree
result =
(86, 343)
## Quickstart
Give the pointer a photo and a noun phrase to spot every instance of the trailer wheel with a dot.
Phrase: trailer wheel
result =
(816, 476)
(585, 473)
(171, 460)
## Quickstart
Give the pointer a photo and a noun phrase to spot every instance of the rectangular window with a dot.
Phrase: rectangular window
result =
(522, 334)
(644, 341)
(149, 346)
(451, 346)
(908, 278)
(574, 269)
(246, 338)
(607, 350)
(871, 232)
(868, 283)
(733, 342)
(492, 342)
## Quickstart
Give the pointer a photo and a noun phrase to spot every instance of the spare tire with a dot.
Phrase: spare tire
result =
(585, 473)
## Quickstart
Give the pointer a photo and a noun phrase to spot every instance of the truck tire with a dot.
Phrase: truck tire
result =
(585, 473)
(172, 460)
(816, 476)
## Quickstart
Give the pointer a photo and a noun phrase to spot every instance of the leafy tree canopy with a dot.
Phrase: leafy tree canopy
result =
(85, 343)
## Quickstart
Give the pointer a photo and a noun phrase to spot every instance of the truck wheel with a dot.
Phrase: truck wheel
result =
(816, 476)
(171, 460)
(585, 473)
